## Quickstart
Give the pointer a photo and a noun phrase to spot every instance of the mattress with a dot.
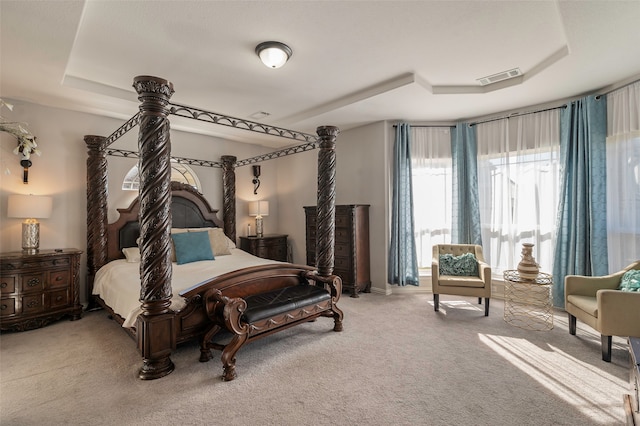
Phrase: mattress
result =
(118, 282)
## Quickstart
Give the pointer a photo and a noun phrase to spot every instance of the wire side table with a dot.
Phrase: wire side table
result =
(527, 303)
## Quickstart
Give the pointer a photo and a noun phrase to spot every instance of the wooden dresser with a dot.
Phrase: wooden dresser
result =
(39, 288)
(272, 247)
(352, 260)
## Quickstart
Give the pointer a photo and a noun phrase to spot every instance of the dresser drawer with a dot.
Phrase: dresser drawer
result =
(342, 250)
(8, 284)
(58, 298)
(343, 221)
(59, 279)
(7, 307)
(33, 303)
(343, 263)
(32, 282)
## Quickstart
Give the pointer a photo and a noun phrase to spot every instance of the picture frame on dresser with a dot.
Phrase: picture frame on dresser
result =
(39, 288)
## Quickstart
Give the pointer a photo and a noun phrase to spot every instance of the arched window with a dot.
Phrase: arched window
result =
(179, 173)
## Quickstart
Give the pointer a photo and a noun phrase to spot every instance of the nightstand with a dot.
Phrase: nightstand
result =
(39, 288)
(272, 247)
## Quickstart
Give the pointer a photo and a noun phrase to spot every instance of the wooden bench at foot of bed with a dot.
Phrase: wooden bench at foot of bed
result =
(260, 314)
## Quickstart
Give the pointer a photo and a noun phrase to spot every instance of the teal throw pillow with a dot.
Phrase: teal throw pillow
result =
(463, 265)
(630, 281)
(192, 247)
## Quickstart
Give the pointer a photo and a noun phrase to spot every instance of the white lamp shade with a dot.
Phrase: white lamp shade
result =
(29, 206)
(259, 208)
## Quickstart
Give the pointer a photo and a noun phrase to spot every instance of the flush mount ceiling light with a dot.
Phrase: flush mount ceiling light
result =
(273, 53)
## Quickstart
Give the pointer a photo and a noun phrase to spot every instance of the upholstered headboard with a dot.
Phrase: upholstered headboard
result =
(189, 209)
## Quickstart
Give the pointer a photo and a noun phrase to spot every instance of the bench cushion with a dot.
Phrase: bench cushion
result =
(266, 305)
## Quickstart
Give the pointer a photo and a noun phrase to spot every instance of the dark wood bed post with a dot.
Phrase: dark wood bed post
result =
(326, 209)
(97, 193)
(229, 195)
(155, 326)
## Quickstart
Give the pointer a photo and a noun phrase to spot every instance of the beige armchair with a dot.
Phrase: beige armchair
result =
(478, 286)
(597, 302)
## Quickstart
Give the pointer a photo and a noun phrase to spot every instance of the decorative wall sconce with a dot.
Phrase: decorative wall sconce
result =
(256, 180)
(26, 141)
(30, 208)
(25, 170)
(259, 209)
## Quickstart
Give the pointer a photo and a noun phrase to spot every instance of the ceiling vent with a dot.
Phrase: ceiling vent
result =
(504, 75)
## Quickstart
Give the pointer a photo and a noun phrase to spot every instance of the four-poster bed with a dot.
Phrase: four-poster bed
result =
(218, 302)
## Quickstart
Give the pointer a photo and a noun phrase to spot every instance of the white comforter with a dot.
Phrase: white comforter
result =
(118, 282)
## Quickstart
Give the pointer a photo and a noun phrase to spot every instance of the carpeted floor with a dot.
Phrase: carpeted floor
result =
(397, 362)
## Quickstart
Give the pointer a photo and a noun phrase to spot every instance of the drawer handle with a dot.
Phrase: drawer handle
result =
(32, 304)
(58, 278)
(4, 285)
(59, 298)
(3, 307)
(33, 282)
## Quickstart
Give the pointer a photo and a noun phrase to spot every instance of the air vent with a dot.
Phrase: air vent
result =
(505, 75)
(258, 115)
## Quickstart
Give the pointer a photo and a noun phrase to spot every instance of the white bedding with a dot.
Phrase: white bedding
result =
(118, 282)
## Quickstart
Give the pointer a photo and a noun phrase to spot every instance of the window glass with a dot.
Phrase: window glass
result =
(179, 173)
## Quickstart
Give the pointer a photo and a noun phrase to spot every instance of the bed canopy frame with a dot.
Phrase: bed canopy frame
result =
(154, 153)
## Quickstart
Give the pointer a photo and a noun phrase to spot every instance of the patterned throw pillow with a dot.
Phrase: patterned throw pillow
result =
(463, 265)
(630, 281)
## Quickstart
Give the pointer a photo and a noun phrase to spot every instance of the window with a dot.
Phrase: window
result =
(623, 176)
(431, 178)
(518, 186)
(179, 173)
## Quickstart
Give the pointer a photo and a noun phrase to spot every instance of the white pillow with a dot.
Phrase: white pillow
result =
(132, 254)
(217, 239)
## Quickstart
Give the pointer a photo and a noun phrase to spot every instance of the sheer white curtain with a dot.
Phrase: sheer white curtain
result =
(623, 176)
(431, 172)
(518, 184)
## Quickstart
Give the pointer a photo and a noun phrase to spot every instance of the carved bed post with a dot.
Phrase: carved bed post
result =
(326, 210)
(97, 192)
(229, 196)
(155, 326)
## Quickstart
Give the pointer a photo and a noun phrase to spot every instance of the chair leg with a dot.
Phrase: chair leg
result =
(606, 348)
(486, 306)
(479, 300)
(572, 325)
(436, 302)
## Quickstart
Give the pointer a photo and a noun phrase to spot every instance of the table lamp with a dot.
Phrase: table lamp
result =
(29, 208)
(259, 209)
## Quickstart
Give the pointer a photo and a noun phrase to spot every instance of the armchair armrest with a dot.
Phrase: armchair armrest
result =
(619, 312)
(484, 270)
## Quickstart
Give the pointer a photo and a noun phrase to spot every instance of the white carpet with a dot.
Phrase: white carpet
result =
(396, 362)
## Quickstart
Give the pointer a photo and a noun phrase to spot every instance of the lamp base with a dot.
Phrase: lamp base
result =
(259, 229)
(30, 236)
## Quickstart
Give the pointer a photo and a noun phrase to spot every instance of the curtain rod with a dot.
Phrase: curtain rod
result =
(618, 88)
(516, 114)
(442, 126)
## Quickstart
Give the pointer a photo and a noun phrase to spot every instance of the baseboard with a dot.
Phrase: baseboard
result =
(497, 289)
